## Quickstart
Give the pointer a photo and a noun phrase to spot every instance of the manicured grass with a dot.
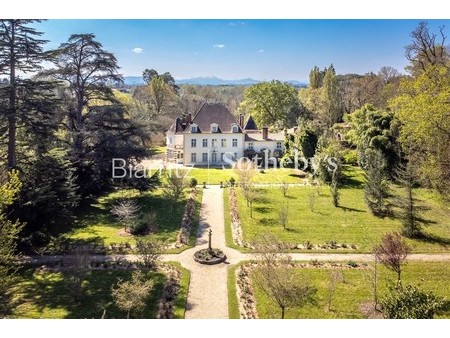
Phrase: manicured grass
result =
(180, 303)
(233, 305)
(217, 175)
(351, 223)
(96, 224)
(158, 150)
(356, 290)
(46, 295)
(227, 217)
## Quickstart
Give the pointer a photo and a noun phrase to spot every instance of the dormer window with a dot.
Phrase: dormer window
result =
(234, 128)
(214, 128)
(194, 128)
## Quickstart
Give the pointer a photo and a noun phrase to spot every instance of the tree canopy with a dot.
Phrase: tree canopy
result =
(271, 104)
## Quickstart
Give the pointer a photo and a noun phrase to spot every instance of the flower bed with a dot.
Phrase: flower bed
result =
(186, 222)
(209, 257)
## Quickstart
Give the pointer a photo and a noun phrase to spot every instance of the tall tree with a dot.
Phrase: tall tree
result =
(409, 208)
(426, 49)
(330, 97)
(272, 104)
(148, 75)
(160, 93)
(422, 109)
(316, 78)
(376, 184)
(99, 128)
(371, 130)
(21, 51)
(388, 74)
(88, 69)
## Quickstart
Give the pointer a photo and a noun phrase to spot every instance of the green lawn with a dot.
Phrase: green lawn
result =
(233, 303)
(95, 224)
(45, 295)
(181, 301)
(351, 223)
(356, 290)
(217, 175)
(158, 150)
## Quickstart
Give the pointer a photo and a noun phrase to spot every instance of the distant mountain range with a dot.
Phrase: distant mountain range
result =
(209, 81)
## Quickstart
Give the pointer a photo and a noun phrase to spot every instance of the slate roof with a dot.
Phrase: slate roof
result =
(176, 127)
(250, 124)
(257, 136)
(210, 113)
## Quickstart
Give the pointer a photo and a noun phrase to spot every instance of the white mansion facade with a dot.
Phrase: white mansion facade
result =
(213, 135)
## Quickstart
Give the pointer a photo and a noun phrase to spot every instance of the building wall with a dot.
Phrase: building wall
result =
(174, 139)
(199, 150)
(259, 145)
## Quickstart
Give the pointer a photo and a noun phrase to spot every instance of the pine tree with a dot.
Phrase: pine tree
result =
(98, 126)
(408, 205)
(376, 185)
(21, 51)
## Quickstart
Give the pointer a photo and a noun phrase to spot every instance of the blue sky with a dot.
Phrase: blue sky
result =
(234, 49)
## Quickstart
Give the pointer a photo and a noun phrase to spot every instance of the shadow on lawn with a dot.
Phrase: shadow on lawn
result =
(267, 221)
(350, 209)
(433, 239)
(51, 291)
(99, 213)
(263, 210)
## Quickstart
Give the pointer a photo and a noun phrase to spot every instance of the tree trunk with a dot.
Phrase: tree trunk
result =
(128, 314)
(375, 285)
(12, 103)
(282, 312)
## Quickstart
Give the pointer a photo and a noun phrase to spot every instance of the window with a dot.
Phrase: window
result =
(214, 142)
(214, 128)
(205, 142)
(279, 144)
(193, 143)
(214, 157)
(194, 128)
(235, 142)
(235, 129)
(221, 157)
(235, 156)
(193, 157)
(205, 157)
(224, 143)
(250, 145)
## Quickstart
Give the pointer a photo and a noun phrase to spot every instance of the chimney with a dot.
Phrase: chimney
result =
(188, 118)
(241, 120)
(265, 133)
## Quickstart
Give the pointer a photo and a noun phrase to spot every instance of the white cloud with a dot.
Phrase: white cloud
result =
(260, 50)
(237, 23)
(137, 50)
(219, 46)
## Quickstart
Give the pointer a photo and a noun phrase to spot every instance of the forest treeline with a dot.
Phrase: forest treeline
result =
(61, 125)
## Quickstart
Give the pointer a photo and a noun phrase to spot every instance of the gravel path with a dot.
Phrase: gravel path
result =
(208, 295)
